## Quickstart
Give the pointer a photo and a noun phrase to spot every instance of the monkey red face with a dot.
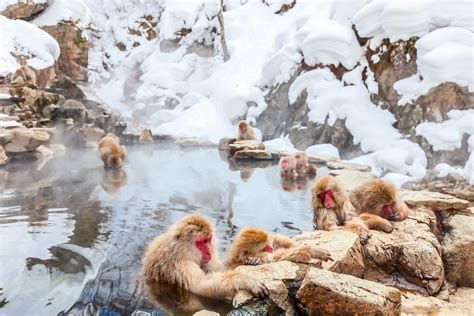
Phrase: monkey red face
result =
(298, 158)
(242, 127)
(388, 211)
(203, 244)
(268, 248)
(285, 164)
(327, 198)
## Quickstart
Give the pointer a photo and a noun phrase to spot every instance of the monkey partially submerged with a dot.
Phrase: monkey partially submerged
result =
(186, 255)
(111, 153)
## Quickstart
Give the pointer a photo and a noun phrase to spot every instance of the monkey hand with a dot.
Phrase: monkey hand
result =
(385, 226)
(364, 236)
(395, 216)
(256, 288)
(253, 261)
(321, 254)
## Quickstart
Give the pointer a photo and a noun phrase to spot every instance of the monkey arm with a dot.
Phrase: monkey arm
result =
(219, 284)
(280, 241)
(303, 254)
(325, 219)
(376, 222)
(214, 265)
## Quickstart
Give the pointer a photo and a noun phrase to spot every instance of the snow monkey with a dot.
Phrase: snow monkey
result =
(24, 75)
(111, 153)
(246, 131)
(288, 167)
(377, 202)
(186, 255)
(303, 167)
(254, 246)
(332, 209)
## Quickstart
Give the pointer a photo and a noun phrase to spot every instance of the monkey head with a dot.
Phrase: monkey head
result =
(196, 232)
(114, 161)
(328, 193)
(385, 199)
(287, 163)
(252, 241)
(243, 126)
(300, 158)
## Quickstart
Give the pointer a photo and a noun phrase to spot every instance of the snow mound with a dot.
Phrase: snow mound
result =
(322, 149)
(402, 19)
(64, 10)
(371, 127)
(20, 38)
(448, 135)
(280, 144)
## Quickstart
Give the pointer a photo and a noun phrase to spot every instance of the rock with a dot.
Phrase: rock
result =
(225, 142)
(458, 249)
(409, 257)
(74, 109)
(275, 276)
(433, 200)
(323, 158)
(328, 293)
(20, 140)
(74, 47)
(348, 166)
(24, 10)
(351, 178)
(245, 145)
(206, 313)
(253, 154)
(91, 134)
(344, 247)
(3, 156)
(460, 303)
(43, 151)
(67, 88)
(193, 142)
(145, 137)
(455, 177)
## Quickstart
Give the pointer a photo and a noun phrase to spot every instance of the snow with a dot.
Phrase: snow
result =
(282, 144)
(9, 124)
(448, 135)
(21, 38)
(59, 10)
(322, 149)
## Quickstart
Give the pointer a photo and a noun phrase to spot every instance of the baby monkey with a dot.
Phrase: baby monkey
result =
(111, 153)
(254, 246)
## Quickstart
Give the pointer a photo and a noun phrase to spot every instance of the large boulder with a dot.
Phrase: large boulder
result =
(410, 257)
(245, 145)
(74, 109)
(351, 178)
(433, 200)
(20, 140)
(460, 303)
(256, 154)
(24, 10)
(327, 293)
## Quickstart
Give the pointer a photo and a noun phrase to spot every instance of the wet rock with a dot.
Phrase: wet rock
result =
(51, 111)
(73, 60)
(253, 154)
(433, 200)
(458, 249)
(91, 134)
(275, 276)
(24, 10)
(74, 109)
(348, 166)
(344, 247)
(43, 151)
(351, 178)
(67, 88)
(3, 156)
(245, 145)
(225, 142)
(409, 257)
(460, 303)
(20, 140)
(145, 137)
(328, 293)
(193, 142)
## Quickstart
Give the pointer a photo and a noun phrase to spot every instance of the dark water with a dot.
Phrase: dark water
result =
(72, 234)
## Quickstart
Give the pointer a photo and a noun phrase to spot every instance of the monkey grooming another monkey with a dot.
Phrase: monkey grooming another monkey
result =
(185, 255)
(24, 75)
(246, 131)
(377, 202)
(288, 167)
(254, 246)
(111, 153)
(303, 168)
(333, 210)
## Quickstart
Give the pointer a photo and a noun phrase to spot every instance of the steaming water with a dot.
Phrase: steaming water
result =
(72, 234)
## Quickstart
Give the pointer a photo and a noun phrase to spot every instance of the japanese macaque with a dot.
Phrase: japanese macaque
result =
(246, 131)
(111, 153)
(377, 202)
(254, 246)
(288, 167)
(303, 167)
(288, 184)
(332, 209)
(113, 180)
(186, 255)
(24, 75)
